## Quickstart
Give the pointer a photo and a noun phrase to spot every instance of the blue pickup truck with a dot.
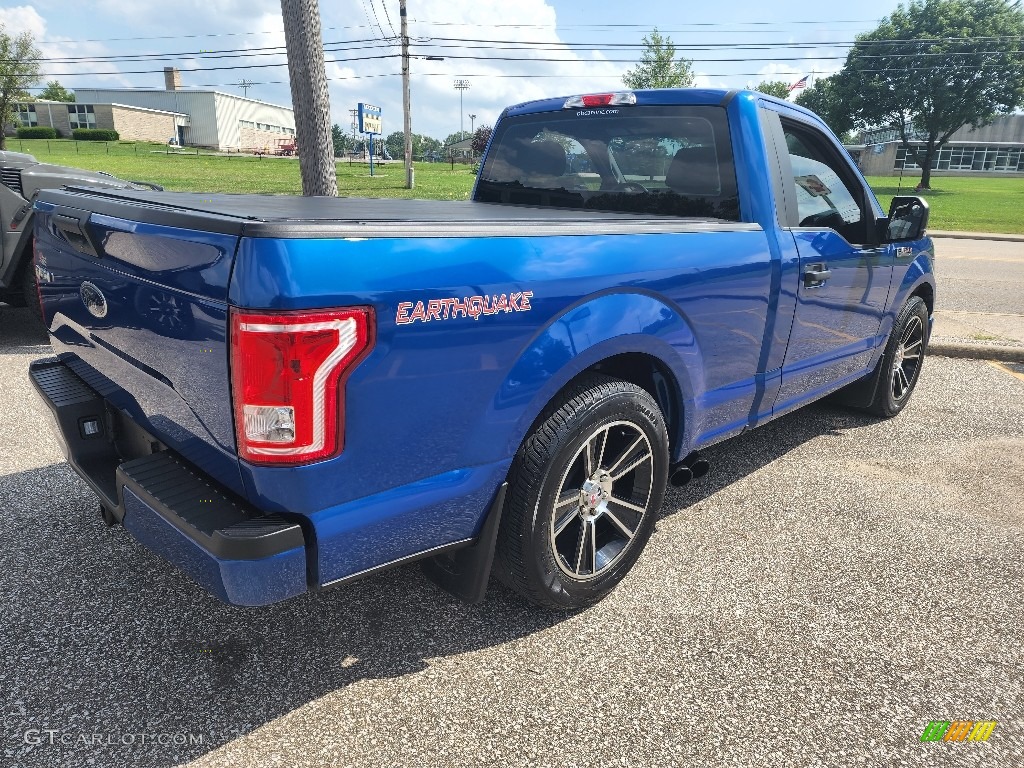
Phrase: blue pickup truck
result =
(284, 394)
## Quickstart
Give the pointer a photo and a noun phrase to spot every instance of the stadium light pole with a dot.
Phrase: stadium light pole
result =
(461, 86)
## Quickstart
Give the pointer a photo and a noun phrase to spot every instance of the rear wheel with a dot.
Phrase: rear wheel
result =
(583, 493)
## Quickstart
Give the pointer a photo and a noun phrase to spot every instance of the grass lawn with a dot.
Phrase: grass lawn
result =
(187, 171)
(968, 203)
(957, 202)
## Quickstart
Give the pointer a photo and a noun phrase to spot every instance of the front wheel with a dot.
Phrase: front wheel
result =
(901, 362)
(584, 490)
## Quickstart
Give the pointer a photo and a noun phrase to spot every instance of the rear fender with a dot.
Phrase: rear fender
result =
(582, 336)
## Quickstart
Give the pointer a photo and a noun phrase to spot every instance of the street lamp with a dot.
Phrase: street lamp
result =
(461, 86)
(472, 122)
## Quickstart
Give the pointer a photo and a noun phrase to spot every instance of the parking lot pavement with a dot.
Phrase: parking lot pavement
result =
(837, 583)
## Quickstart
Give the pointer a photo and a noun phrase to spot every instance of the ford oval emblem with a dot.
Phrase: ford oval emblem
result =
(93, 299)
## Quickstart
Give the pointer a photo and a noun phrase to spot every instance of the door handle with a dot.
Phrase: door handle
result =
(816, 274)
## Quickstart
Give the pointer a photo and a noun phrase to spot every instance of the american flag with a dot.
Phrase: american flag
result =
(801, 83)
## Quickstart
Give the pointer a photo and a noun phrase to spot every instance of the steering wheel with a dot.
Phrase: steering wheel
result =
(630, 187)
(830, 219)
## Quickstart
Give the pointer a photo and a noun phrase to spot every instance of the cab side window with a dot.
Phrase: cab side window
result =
(824, 197)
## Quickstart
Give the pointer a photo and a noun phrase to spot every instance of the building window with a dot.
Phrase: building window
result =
(246, 124)
(968, 158)
(27, 115)
(81, 116)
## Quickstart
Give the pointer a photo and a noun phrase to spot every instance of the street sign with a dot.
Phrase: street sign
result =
(369, 119)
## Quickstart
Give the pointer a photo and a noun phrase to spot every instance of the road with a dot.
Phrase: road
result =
(837, 583)
(980, 291)
(980, 275)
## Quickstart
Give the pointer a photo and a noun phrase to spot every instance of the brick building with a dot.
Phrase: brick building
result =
(131, 122)
(996, 149)
(198, 118)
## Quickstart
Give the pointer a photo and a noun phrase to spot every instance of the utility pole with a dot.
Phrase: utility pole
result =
(310, 100)
(461, 86)
(245, 85)
(406, 97)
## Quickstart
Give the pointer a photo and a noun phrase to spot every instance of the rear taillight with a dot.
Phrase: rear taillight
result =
(619, 99)
(288, 372)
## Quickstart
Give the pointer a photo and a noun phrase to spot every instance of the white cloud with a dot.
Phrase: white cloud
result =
(24, 18)
(454, 29)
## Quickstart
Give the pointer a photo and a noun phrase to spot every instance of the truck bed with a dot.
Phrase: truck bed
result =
(290, 216)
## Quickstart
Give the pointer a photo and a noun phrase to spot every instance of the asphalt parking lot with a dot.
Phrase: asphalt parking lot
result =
(833, 586)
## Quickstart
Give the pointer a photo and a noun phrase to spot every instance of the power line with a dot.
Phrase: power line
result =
(534, 59)
(384, 5)
(593, 27)
(444, 43)
(380, 30)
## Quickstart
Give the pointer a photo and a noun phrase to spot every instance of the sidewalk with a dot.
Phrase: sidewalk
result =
(978, 335)
(976, 235)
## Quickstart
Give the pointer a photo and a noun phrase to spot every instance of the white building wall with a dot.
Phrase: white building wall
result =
(198, 105)
(214, 117)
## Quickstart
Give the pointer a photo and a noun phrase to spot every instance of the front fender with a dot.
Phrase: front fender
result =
(586, 333)
(917, 272)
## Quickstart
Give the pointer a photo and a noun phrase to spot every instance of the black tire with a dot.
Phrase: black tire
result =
(596, 467)
(900, 366)
(29, 291)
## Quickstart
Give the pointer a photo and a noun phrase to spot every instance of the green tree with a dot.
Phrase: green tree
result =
(935, 66)
(826, 99)
(776, 88)
(480, 138)
(54, 91)
(19, 69)
(395, 143)
(455, 138)
(340, 140)
(423, 144)
(659, 67)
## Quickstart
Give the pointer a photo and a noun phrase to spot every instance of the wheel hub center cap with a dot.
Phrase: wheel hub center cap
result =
(900, 352)
(591, 495)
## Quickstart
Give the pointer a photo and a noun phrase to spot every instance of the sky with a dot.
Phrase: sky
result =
(509, 52)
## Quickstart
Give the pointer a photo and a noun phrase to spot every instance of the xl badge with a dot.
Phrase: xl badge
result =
(93, 299)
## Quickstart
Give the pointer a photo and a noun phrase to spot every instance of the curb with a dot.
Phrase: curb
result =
(976, 236)
(977, 351)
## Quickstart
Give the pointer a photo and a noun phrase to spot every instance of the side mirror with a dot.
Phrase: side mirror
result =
(908, 218)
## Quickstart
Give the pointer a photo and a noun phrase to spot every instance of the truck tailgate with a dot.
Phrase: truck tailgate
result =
(139, 312)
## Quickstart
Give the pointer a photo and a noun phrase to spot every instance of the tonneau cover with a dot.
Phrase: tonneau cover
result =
(291, 216)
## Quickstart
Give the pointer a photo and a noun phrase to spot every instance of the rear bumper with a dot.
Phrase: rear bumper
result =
(241, 555)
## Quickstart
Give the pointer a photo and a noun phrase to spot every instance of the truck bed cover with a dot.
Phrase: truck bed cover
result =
(292, 216)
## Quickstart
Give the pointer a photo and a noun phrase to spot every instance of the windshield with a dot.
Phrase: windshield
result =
(657, 160)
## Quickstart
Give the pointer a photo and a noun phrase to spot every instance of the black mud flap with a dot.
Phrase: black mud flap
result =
(465, 572)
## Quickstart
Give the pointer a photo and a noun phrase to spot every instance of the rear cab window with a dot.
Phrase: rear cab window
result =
(662, 160)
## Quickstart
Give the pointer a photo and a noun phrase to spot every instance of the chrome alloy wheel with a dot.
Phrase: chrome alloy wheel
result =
(602, 498)
(907, 359)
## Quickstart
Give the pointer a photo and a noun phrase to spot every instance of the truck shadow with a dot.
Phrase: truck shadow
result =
(103, 637)
(739, 456)
(106, 638)
(19, 334)
(103, 640)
